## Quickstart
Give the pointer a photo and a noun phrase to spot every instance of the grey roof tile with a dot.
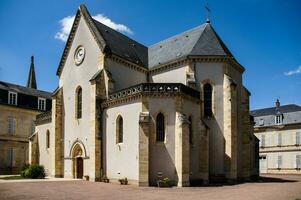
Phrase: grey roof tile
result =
(24, 90)
(273, 111)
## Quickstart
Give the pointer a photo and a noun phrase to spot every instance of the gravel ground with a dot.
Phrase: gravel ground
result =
(269, 188)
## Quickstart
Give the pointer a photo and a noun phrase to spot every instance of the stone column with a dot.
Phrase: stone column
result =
(204, 152)
(144, 133)
(182, 154)
(34, 150)
(230, 128)
(245, 172)
(95, 139)
(56, 137)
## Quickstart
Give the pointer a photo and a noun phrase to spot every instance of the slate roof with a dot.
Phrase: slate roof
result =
(24, 90)
(199, 41)
(122, 45)
(273, 111)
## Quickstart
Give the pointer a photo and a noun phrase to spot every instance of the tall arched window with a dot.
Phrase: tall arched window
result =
(119, 129)
(47, 139)
(160, 128)
(78, 102)
(207, 100)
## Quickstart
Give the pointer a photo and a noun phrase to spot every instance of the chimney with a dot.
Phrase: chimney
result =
(277, 103)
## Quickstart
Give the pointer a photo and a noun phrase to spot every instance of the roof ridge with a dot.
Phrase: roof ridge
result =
(120, 33)
(28, 88)
(177, 35)
(275, 107)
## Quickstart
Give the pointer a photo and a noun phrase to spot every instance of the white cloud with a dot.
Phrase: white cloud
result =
(293, 72)
(66, 25)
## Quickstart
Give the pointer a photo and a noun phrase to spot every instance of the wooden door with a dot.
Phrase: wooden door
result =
(80, 167)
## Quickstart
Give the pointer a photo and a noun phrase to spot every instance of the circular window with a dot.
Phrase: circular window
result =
(79, 55)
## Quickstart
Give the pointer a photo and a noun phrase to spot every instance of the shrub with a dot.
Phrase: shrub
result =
(33, 171)
(23, 169)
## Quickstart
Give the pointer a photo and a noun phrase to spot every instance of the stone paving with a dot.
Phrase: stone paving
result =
(280, 187)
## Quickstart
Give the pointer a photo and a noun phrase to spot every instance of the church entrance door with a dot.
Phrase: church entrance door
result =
(79, 167)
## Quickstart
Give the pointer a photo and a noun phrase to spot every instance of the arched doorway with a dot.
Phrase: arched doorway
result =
(77, 161)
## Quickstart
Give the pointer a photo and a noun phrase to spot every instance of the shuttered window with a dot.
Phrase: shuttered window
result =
(11, 125)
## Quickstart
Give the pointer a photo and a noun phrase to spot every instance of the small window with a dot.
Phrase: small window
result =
(78, 103)
(298, 161)
(261, 122)
(41, 103)
(298, 138)
(279, 139)
(47, 139)
(12, 125)
(119, 130)
(207, 100)
(160, 128)
(279, 162)
(12, 98)
(278, 119)
(262, 141)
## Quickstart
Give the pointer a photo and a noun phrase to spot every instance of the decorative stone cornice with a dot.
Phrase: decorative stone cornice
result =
(151, 90)
(43, 118)
(260, 129)
(188, 59)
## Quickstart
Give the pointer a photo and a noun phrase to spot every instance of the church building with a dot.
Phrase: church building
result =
(177, 108)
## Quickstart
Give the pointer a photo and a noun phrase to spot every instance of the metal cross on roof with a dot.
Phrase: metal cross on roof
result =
(208, 11)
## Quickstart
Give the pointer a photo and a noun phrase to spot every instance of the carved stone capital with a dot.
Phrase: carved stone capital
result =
(144, 117)
(183, 119)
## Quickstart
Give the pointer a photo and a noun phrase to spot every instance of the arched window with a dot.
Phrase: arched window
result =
(190, 130)
(207, 100)
(160, 128)
(119, 129)
(78, 103)
(47, 139)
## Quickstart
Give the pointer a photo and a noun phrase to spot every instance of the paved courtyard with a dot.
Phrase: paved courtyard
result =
(271, 187)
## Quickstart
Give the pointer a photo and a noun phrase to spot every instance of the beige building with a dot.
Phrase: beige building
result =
(19, 106)
(279, 131)
(122, 109)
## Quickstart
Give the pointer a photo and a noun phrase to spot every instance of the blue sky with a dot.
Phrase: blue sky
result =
(263, 35)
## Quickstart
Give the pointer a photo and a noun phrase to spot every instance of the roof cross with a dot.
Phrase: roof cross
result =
(208, 11)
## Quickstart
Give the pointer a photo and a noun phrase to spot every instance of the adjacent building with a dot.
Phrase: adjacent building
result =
(177, 108)
(19, 106)
(279, 131)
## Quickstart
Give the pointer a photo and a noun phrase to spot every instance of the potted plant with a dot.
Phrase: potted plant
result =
(123, 181)
(165, 182)
(105, 179)
(86, 177)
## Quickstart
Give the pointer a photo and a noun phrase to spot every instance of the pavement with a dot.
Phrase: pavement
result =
(274, 187)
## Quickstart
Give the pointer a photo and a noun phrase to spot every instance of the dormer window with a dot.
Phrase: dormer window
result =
(41, 104)
(278, 119)
(12, 98)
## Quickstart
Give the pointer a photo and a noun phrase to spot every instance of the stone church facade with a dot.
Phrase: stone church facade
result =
(122, 109)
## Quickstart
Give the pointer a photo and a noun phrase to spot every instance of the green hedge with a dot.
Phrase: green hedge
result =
(33, 171)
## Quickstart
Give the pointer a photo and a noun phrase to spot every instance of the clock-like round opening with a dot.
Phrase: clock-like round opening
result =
(79, 55)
